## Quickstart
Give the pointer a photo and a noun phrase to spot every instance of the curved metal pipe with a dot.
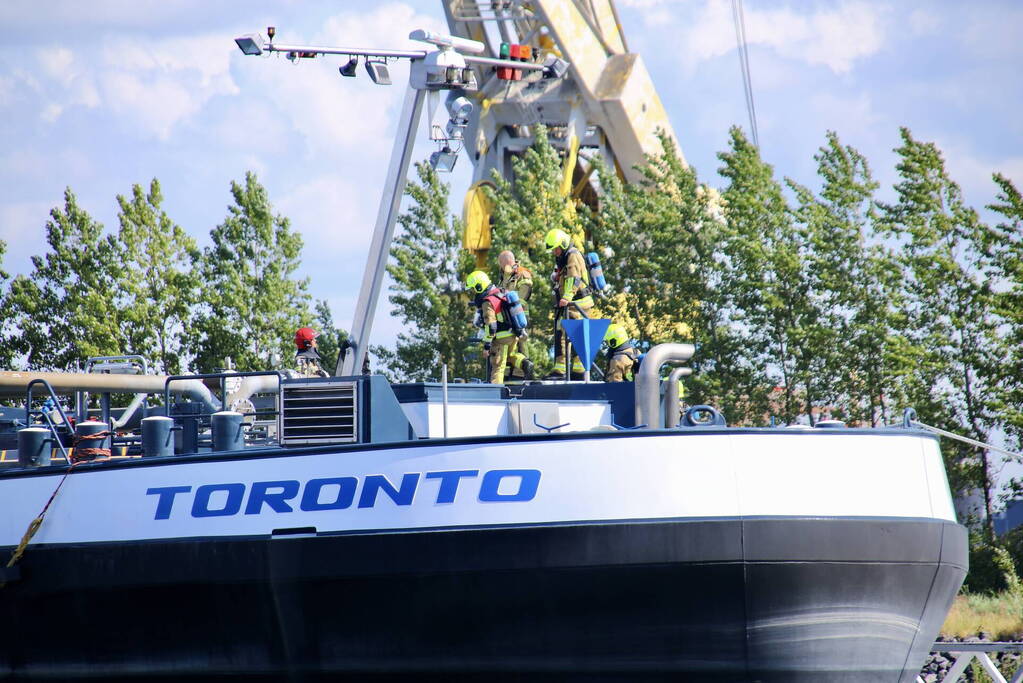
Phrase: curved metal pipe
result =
(13, 383)
(648, 383)
(672, 410)
(254, 384)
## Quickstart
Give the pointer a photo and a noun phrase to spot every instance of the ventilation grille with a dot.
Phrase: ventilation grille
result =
(319, 413)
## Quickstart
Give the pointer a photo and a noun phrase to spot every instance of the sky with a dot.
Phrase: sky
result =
(99, 95)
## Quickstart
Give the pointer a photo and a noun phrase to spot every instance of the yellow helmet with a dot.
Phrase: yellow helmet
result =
(616, 335)
(556, 238)
(478, 281)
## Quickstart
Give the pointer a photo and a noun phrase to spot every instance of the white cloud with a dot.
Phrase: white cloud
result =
(834, 37)
(924, 22)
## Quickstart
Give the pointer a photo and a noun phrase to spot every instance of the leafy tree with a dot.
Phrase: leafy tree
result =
(1007, 256)
(157, 289)
(429, 268)
(948, 303)
(253, 304)
(65, 311)
(6, 350)
(853, 283)
(331, 337)
(764, 277)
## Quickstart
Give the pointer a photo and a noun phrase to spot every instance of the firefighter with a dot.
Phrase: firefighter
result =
(572, 294)
(517, 278)
(306, 356)
(498, 337)
(621, 355)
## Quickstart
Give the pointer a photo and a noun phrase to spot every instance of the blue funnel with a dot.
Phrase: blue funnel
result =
(586, 336)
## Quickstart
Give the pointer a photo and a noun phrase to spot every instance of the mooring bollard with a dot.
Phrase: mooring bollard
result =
(156, 436)
(87, 448)
(34, 447)
(227, 431)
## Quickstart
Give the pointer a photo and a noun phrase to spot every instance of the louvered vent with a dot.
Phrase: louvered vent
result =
(319, 413)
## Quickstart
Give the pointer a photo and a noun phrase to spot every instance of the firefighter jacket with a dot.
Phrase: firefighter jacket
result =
(519, 280)
(493, 316)
(308, 362)
(573, 281)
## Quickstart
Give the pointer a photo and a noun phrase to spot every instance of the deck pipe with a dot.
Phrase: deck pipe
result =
(34, 446)
(648, 380)
(672, 409)
(66, 382)
(227, 431)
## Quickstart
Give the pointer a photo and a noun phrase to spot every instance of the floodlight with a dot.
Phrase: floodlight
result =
(455, 130)
(554, 67)
(459, 108)
(250, 44)
(443, 161)
(348, 70)
(378, 72)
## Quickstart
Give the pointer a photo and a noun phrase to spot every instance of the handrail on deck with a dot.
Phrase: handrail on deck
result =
(49, 423)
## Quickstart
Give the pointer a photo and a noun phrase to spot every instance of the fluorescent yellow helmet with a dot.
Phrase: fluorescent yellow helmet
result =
(556, 238)
(616, 335)
(478, 281)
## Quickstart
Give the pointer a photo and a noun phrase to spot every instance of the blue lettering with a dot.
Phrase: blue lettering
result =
(260, 493)
(529, 480)
(166, 502)
(201, 504)
(449, 483)
(345, 494)
(378, 482)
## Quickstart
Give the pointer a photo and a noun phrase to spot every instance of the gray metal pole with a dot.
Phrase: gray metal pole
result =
(444, 391)
(376, 261)
(672, 411)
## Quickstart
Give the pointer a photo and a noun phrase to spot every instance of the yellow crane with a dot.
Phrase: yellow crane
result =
(606, 104)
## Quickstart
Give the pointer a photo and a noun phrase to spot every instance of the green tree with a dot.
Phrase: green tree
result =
(854, 282)
(65, 311)
(253, 304)
(429, 267)
(331, 337)
(948, 306)
(6, 317)
(157, 290)
(765, 279)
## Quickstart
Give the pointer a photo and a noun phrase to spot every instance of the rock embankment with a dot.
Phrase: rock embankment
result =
(937, 665)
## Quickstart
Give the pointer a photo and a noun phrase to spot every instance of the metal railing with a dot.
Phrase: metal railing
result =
(963, 655)
(46, 416)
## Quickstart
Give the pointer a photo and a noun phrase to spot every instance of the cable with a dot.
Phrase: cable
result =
(739, 18)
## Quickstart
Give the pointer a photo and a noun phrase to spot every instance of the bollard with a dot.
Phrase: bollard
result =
(34, 447)
(227, 431)
(156, 436)
(82, 445)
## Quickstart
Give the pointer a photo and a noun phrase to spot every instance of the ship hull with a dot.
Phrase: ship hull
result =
(771, 599)
(738, 555)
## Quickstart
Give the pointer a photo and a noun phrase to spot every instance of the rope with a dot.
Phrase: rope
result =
(968, 440)
(90, 454)
(78, 456)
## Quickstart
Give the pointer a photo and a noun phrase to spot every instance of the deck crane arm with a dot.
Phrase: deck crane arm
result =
(607, 103)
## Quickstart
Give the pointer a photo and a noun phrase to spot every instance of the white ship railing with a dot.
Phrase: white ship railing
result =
(964, 653)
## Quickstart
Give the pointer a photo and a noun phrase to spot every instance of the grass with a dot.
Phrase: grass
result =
(999, 616)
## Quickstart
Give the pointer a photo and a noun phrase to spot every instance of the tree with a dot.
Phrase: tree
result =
(764, 277)
(6, 318)
(948, 302)
(331, 337)
(854, 284)
(253, 304)
(65, 311)
(429, 268)
(157, 290)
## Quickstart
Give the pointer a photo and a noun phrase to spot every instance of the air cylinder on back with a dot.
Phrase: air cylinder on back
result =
(227, 431)
(156, 436)
(34, 447)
